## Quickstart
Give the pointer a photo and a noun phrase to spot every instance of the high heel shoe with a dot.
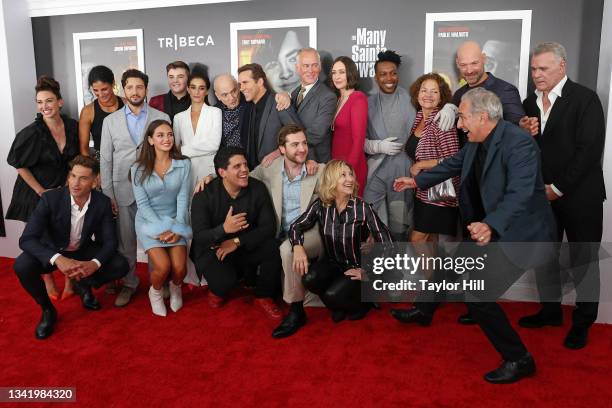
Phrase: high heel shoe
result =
(176, 297)
(157, 302)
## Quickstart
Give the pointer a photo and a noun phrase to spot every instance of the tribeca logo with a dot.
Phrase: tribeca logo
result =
(184, 41)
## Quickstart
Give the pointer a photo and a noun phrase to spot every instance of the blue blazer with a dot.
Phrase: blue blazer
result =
(512, 189)
(48, 230)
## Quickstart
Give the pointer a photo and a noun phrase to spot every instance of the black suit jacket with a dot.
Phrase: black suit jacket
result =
(48, 230)
(572, 145)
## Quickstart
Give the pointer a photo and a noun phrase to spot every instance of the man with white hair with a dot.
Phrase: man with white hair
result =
(231, 103)
(567, 121)
(315, 104)
(502, 200)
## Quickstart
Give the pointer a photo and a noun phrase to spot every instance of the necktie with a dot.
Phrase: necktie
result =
(300, 97)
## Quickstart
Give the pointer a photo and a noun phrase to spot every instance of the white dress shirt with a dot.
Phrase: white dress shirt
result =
(552, 97)
(307, 88)
(77, 217)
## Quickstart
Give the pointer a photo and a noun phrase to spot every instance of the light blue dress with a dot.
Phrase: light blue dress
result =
(163, 204)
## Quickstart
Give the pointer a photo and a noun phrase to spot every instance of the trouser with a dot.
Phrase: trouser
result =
(583, 228)
(394, 208)
(223, 276)
(126, 237)
(29, 268)
(337, 291)
(293, 289)
(490, 316)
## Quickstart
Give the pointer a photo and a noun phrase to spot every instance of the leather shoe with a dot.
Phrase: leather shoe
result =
(466, 319)
(271, 308)
(338, 315)
(215, 301)
(512, 371)
(290, 325)
(576, 338)
(541, 319)
(361, 313)
(47, 322)
(88, 299)
(412, 315)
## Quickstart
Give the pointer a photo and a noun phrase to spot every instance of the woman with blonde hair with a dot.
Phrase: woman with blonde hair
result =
(345, 221)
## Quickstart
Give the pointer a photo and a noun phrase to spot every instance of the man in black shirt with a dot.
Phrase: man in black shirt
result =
(263, 119)
(177, 99)
(234, 229)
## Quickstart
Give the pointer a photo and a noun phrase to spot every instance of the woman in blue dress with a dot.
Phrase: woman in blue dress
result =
(161, 178)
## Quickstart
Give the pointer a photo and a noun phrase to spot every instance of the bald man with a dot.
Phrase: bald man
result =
(471, 64)
(231, 103)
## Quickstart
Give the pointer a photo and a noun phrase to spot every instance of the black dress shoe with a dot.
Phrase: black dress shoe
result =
(87, 297)
(541, 319)
(512, 371)
(338, 315)
(361, 313)
(466, 319)
(412, 315)
(47, 323)
(576, 338)
(290, 325)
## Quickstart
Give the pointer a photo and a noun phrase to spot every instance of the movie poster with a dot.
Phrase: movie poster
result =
(503, 35)
(119, 50)
(274, 45)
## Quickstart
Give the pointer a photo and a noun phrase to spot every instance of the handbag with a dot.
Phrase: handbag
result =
(442, 192)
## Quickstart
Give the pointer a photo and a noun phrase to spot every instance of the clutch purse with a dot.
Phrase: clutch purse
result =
(442, 192)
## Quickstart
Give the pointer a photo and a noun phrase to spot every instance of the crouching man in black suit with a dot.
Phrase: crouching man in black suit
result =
(60, 234)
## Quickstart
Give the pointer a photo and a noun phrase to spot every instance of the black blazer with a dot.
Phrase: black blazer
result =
(572, 145)
(48, 230)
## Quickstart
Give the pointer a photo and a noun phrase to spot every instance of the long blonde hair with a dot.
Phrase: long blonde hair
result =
(329, 180)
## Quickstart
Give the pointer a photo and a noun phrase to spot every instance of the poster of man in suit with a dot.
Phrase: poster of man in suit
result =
(274, 45)
(502, 35)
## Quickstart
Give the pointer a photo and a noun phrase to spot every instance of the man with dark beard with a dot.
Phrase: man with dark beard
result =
(122, 134)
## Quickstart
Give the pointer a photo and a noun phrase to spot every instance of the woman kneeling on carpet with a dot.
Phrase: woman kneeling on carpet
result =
(344, 222)
(161, 178)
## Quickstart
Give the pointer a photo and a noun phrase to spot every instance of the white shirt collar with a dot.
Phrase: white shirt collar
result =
(74, 205)
(557, 90)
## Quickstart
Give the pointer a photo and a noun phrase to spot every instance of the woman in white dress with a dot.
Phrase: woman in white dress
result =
(199, 128)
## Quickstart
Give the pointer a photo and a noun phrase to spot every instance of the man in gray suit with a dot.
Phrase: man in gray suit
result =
(315, 104)
(262, 119)
(122, 135)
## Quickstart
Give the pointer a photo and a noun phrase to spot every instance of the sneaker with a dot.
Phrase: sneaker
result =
(124, 296)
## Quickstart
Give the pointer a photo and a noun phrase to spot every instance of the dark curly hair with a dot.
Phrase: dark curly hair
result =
(388, 56)
(46, 83)
(445, 92)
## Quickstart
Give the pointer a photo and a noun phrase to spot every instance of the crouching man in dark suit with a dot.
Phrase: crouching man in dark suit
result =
(60, 234)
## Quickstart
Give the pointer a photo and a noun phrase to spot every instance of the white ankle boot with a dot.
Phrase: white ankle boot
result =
(176, 297)
(157, 302)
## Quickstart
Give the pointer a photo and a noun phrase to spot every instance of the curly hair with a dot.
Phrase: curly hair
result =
(388, 56)
(445, 92)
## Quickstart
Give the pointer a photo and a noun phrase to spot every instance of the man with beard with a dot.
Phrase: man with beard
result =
(390, 117)
(292, 189)
(176, 100)
(471, 64)
(122, 135)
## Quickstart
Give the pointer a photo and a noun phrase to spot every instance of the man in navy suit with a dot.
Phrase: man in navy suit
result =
(502, 199)
(60, 235)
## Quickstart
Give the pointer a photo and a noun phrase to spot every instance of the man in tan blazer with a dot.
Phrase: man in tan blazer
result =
(292, 189)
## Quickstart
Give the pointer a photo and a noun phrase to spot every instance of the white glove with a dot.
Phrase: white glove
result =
(446, 117)
(389, 147)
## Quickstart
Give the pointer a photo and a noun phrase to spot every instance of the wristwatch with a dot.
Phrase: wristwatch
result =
(236, 241)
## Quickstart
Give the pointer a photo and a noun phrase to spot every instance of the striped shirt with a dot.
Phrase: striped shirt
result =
(343, 232)
(435, 144)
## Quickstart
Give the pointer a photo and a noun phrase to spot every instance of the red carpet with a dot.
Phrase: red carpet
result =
(204, 357)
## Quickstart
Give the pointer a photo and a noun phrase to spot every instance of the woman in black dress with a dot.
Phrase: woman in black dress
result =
(40, 153)
(101, 80)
